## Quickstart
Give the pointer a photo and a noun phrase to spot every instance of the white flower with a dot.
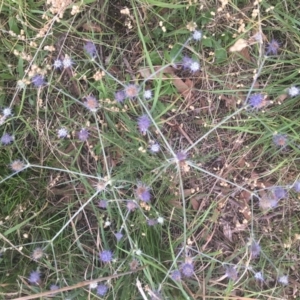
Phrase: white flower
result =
(148, 94)
(155, 148)
(7, 112)
(160, 220)
(259, 276)
(62, 133)
(197, 35)
(93, 285)
(138, 252)
(57, 64)
(195, 66)
(67, 62)
(293, 91)
(284, 280)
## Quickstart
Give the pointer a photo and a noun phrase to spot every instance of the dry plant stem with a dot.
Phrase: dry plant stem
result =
(79, 285)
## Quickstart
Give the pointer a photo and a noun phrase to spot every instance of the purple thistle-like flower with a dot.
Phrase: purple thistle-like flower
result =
(280, 140)
(293, 91)
(187, 269)
(279, 193)
(34, 277)
(181, 155)
(144, 123)
(6, 139)
(106, 256)
(197, 35)
(38, 80)
(83, 134)
(143, 192)
(195, 66)
(152, 222)
(176, 275)
(131, 205)
(90, 49)
(131, 91)
(91, 103)
(120, 96)
(267, 202)
(67, 62)
(296, 186)
(37, 254)
(231, 272)
(186, 62)
(256, 101)
(119, 235)
(272, 47)
(102, 289)
(259, 276)
(254, 249)
(54, 287)
(154, 148)
(62, 133)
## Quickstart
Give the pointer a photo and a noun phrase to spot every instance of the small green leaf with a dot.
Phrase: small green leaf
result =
(221, 55)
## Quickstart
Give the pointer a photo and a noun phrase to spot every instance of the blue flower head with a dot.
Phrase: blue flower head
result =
(90, 49)
(102, 289)
(131, 91)
(181, 155)
(6, 139)
(254, 249)
(38, 81)
(279, 193)
(152, 222)
(143, 192)
(187, 269)
(186, 62)
(257, 101)
(91, 103)
(231, 273)
(83, 134)
(176, 275)
(272, 47)
(118, 235)
(106, 256)
(144, 123)
(34, 277)
(120, 96)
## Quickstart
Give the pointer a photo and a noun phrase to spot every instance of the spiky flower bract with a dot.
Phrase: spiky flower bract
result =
(37, 254)
(83, 134)
(280, 140)
(17, 165)
(186, 62)
(90, 49)
(176, 275)
(151, 222)
(102, 289)
(6, 139)
(144, 123)
(231, 273)
(103, 203)
(272, 47)
(293, 91)
(131, 91)
(256, 100)
(91, 103)
(120, 96)
(254, 249)
(187, 269)
(279, 192)
(181, 156)
(106, 256)
(143, 192)
(34, 277)
(119, 235)
(131, 205)
(38, 81)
